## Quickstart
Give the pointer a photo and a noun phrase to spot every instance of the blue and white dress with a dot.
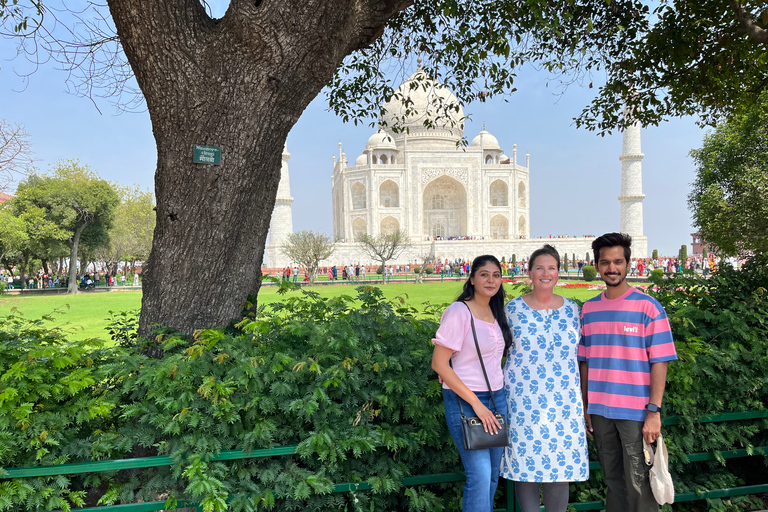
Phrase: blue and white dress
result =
(547, 438)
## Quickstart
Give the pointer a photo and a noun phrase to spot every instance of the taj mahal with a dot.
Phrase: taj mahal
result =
(452, 201)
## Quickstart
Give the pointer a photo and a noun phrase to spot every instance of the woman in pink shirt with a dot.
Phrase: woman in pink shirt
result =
(455, 360)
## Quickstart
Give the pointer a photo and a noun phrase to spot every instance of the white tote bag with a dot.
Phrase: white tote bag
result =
(661, 480)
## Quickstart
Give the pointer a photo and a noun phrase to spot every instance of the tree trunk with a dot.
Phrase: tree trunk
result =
(239, 83)
(45, 265)
(25, 255)
(73, 243)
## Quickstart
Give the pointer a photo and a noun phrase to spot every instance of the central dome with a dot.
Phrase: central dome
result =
(421, 99)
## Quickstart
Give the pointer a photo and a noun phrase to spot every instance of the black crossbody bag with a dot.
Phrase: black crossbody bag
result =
(475, 436)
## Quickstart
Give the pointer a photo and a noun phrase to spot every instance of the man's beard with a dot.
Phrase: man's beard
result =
(617, 283)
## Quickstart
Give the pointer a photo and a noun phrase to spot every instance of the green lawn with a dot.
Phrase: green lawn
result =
(86, 314)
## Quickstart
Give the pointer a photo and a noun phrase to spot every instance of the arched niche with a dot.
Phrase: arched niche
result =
(359, 228)
(521, 225)
(499, 227)
(499, 193)
(521, 201)
(389, 195)
(390, 225)
(358, 196)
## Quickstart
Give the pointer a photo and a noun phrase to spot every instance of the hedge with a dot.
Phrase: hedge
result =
(348, 380)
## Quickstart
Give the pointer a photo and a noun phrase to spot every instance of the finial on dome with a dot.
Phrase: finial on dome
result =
(418, 61)
(483, 125)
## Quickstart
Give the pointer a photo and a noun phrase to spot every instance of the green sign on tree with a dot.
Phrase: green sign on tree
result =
(206, 155)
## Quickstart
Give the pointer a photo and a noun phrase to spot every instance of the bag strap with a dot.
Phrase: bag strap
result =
(482, 365)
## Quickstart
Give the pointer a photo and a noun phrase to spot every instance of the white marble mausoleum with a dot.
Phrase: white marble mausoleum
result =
(452, 201)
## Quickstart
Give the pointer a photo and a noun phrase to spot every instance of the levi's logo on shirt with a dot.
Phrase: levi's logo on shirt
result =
(630, 329)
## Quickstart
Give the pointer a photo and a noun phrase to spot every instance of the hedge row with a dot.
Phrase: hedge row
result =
(348, 379)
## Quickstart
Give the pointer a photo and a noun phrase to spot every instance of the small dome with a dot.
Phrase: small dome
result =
(488, 141)
(381, 140)
(361, 161)
(421, 99)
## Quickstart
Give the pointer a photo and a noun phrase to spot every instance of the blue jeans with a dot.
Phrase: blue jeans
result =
(481, 467)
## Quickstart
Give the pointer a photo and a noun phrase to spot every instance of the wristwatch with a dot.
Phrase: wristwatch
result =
(653, 408)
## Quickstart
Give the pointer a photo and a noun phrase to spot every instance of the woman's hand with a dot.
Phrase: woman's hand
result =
(490, 423)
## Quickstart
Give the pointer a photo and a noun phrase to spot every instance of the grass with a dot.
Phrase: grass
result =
(86, 315)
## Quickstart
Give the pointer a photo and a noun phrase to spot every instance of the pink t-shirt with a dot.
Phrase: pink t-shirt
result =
(455, 333)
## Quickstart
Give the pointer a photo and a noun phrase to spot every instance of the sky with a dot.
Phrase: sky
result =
(575, 175)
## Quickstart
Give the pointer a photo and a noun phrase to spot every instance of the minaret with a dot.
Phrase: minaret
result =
(281, 224)
(632, 196)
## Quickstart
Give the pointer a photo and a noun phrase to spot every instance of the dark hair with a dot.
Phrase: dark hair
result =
(547, 249)
(612, 240)
(497, 301)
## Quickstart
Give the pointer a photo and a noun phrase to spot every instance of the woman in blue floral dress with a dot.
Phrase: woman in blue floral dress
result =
(547, 439)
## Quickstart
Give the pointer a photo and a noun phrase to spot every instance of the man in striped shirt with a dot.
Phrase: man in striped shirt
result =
(625, 348)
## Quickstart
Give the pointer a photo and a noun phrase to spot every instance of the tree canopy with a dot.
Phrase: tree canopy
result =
(72, 199)
(130, 237)
(667, 58)
(308, 249)
(384, 246)
(729, 200)
(12, 234)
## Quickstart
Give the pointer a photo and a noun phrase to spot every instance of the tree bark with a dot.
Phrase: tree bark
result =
(73, 243)
(240, 82)
(25, 255)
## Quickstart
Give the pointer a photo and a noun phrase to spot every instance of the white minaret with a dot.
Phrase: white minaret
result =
(281, 224)
(632, 196)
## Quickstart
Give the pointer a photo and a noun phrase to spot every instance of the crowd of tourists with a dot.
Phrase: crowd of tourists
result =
(516, 237)
(510, 267)
(44, 280)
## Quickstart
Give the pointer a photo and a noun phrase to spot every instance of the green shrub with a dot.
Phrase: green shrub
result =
(720, 325)
(429, 269)
(417, 269)
(589, 273)
(655, 254)
(55, 407)
(657, 274)
(380, 270)
(347, 379)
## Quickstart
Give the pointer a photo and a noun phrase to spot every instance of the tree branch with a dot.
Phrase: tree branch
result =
(747, 23)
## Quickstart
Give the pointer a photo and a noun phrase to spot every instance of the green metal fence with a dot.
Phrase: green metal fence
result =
(511, 504)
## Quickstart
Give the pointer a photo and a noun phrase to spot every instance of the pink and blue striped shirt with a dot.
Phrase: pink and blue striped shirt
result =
(621, 338)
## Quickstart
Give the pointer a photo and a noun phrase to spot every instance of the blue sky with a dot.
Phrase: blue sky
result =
(574, 181)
